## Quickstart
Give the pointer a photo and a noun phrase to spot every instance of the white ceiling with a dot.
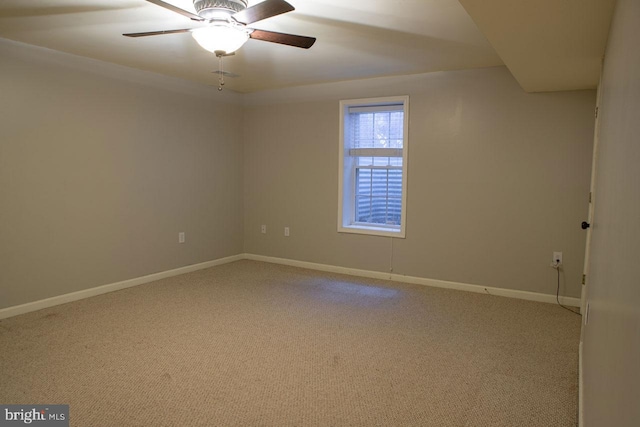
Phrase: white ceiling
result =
(547, 44)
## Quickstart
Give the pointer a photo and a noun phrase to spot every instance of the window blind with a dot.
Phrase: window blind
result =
(375, 142)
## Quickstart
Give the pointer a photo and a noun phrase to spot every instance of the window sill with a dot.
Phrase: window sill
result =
(373, 231)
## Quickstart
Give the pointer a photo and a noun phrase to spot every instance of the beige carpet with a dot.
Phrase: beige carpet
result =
(255, 344)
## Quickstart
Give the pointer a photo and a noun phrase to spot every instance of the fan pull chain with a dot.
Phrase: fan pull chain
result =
(221, 78)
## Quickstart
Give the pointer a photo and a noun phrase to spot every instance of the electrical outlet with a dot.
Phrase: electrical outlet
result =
(181, 237)
(286, 231)
(263, 229)
(556, 260)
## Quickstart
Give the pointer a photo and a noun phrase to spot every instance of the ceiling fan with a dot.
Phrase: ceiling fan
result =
(228, 24)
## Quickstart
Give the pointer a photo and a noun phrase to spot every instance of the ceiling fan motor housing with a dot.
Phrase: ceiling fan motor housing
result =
(211, 9)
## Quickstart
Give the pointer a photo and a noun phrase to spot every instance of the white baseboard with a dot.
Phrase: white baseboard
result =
(510, 293)
(86, 293)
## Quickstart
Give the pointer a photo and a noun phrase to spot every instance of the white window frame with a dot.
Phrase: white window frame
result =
(346, 175)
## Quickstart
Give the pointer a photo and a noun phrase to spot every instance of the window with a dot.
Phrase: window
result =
(373, 166)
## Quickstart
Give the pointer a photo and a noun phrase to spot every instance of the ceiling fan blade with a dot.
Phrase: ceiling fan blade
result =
(157, 33)
(282, 38)
(177, 10)
(226, 74)
(260, 11)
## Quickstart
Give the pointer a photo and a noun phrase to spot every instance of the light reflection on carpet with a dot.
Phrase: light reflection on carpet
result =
(354, 289)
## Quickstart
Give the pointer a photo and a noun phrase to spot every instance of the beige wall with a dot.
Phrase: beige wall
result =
(611, 339)
(497, 179)
(101, 167)
(98, 174)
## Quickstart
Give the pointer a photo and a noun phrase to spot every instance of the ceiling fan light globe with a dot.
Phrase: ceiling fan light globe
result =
(221, 38)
